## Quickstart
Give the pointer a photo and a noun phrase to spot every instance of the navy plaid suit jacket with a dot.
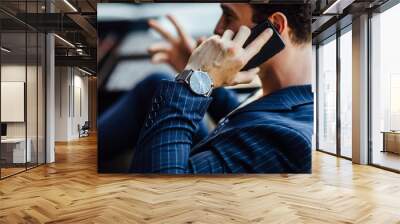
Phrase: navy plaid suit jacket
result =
(270, 135)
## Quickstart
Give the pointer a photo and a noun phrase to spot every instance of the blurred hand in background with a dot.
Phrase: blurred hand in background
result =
(176, 50)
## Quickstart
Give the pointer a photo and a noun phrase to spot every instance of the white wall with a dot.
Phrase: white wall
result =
(80, 105)
(12, 73)
(62, 81)
(71, 94)
(13, 100)
(33, 126)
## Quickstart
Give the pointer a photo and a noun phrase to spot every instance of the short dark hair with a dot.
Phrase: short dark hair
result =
(298, 16)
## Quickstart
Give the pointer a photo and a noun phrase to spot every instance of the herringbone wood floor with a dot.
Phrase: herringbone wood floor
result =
(71, 191)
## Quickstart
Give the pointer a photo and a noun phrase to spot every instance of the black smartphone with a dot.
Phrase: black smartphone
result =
(271, 48)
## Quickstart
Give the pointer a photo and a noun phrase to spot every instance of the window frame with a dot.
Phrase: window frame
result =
(334, 37)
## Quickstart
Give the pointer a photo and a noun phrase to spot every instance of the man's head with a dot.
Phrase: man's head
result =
(233, 16)
(292, 21)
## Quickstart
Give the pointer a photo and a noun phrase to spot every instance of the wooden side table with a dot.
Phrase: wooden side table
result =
(391, 141)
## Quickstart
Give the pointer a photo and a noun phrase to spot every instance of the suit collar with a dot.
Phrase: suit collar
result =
(283, 99)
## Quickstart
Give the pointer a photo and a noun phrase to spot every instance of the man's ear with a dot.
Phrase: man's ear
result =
(280, 22)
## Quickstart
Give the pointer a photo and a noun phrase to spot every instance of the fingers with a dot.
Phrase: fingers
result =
(182, 34)
(228, 35)
(222, 47)
(157, 27)
(254, 47)
(246, 77)
(211, 50)
(159, 47)
(159, 58)
(242, 35)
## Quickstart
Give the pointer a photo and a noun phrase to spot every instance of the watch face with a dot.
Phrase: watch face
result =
(200, 82)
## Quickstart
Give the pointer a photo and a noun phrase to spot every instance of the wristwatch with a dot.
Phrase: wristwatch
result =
(198, 81)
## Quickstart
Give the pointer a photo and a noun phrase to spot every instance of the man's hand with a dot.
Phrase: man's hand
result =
(223, 57)
(176, 51)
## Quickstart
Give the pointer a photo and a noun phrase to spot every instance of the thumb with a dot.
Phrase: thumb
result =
(245, 77)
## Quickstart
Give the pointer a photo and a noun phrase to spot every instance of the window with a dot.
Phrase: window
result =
(346, 93)
(385, 89)
(333, 77)
(327, 96)
(22, 78)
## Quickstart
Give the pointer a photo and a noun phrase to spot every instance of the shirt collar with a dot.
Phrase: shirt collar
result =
(283, 99)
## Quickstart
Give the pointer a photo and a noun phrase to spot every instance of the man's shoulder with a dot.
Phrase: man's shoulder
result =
(300, 115)
(295, 122)
(280, 127)
(286, 105)
(276, 137)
